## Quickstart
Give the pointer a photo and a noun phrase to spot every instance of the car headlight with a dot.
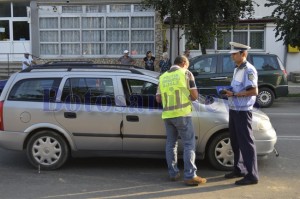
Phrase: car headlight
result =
(264, 124)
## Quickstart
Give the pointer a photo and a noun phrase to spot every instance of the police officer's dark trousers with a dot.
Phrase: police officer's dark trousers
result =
(242, 142)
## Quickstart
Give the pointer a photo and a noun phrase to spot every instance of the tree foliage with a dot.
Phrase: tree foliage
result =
(287, 20)
(201, 18)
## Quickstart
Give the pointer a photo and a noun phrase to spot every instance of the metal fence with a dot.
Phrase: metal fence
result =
(10, 63)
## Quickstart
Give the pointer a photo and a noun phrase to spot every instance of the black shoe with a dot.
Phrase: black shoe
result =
(233, 175)
(246, 181)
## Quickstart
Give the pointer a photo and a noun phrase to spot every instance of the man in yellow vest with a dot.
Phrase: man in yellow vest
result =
(175, 91)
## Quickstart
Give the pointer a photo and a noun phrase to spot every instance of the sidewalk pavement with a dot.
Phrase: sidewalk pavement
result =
(294, 88)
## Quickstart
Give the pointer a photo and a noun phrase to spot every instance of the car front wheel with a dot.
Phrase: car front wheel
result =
(265, 97)
(220, 153)
(47, 150)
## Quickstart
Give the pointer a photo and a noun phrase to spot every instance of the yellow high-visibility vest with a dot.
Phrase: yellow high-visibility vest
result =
(174, 94)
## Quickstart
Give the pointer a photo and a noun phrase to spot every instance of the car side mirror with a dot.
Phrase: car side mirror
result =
(195, 73)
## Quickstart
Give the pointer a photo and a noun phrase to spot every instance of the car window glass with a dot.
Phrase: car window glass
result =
(140, 94)
(280, 63)
(35, 89)
(94, 91)
(265, 63)
(204, 65)
(228, 64)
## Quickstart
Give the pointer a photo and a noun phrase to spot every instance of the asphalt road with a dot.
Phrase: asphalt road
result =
(120, 178)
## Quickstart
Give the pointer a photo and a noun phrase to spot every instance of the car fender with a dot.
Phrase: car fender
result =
(202, 144)
(266, 85)
(36, 127)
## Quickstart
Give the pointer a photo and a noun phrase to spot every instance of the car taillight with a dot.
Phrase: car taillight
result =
(284, 71)
(1, 116)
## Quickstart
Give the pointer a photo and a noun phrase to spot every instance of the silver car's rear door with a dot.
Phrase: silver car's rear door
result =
(87, 111)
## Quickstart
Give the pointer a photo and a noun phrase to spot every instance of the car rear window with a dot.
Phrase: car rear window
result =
(204, 65)
(35, 89)
(93, 91)
(265, 62)
(228, 64)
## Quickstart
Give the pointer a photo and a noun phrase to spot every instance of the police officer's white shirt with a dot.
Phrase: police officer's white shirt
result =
(27, 60)
(244, 77)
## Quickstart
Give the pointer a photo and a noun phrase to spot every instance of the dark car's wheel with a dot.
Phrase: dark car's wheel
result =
(220, 153)
(47, 149)
(265, 97)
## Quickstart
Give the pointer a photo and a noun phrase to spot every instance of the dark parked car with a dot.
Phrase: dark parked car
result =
(2, 84)
(213, 70)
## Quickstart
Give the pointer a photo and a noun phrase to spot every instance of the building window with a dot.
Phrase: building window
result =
(5, 10)
(19, 9)
(21, 30)
(120, 8)
(140, 8)
(14, 22)
(49, 36)
(249, 34)
(72, 9)
(92, 35)
(95, 8)
(96, 31)
(4, 30)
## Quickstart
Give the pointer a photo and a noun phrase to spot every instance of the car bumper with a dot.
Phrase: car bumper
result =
(12, 140)
(266, 143)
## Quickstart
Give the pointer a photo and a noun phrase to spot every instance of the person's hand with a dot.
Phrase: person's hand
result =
(226, 93)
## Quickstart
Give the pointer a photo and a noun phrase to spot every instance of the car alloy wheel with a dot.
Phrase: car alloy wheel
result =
(220, 152)
(47, 150)
(265, 97)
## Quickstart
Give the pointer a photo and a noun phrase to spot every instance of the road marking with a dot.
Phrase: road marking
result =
(284, 114)
(288, 137)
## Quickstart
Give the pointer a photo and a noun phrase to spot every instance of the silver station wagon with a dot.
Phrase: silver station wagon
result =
(57, 111)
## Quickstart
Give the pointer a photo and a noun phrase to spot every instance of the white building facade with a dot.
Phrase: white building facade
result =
(101, 30)
(80, 30)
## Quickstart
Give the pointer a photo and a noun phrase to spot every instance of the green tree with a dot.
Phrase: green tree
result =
(287, 20)
(201, 18)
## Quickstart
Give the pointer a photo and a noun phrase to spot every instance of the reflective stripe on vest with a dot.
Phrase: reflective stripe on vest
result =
(178, 102)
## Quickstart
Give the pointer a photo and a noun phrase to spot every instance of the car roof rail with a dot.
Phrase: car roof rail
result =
(70, 66)
(68, 62)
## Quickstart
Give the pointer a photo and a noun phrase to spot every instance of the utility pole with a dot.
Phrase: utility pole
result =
(171, 28)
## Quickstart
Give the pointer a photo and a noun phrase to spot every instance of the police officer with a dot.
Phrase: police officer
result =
(241, 99)
(176, 90)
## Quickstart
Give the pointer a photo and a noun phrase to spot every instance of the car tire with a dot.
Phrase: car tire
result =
(220, 154)
(265, 97)
(47, 150)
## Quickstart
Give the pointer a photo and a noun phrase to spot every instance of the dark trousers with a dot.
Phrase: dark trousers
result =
(242, 142)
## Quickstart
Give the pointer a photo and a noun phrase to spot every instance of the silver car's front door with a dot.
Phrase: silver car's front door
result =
(87, 111)
(143, 129)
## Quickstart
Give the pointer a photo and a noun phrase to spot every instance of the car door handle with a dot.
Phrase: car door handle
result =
(70, 115)
(216, 78)
(132, 118)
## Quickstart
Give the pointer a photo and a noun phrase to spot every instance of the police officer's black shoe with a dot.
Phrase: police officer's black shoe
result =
(233, 175)
(246, 181)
